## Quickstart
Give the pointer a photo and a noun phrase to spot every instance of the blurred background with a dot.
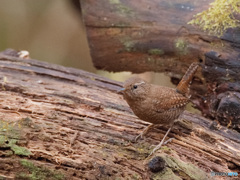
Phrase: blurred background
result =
(52, 31)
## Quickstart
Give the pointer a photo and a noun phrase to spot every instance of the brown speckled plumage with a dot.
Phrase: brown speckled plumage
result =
(158, 104)
(154, 104)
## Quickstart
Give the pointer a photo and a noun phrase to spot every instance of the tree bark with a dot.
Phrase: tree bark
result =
(64, 123)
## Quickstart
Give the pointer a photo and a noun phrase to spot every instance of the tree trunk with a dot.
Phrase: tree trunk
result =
(64, 123)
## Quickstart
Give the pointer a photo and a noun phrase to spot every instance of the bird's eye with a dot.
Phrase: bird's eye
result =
(135, 86)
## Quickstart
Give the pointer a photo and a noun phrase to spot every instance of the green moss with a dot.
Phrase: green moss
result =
(7, 142)
(21, 151)
(136, 177)
(11, 143)
(185, 170)
(219, 17)
(11, 130)
(155, 52)
(114, 1)
(8, 139)
(181, 46)
(167, 150)
(2, 140)
(122, 9)
(166, 174)
(38, 173)
(128, 44)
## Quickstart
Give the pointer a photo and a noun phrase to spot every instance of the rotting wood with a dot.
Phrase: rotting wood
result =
(66, 123)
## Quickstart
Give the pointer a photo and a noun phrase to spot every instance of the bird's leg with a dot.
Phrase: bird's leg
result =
(161, 143)
(169, 140)
(145, 131)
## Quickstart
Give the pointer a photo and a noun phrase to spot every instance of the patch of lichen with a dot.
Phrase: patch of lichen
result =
(18, 150)
(181, 46)
(167, 150)
(128, 44)
(12, 144)
(9, 135)
(38, 172)
(219, 17)
(166, 174)
(138, 151)
(10, 129)
(155, 51)
(121, 8)
(114, 1)
(135, 177)
(182, 169)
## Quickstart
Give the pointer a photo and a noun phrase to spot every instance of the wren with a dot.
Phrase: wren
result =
(158, 105)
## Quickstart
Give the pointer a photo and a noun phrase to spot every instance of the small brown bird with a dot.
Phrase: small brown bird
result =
(158, 105)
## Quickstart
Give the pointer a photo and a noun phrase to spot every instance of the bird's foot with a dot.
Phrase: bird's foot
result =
(169, 140)
(145, 131)
(140, 136)
(159, 146)
(155, 149)
(161, 143)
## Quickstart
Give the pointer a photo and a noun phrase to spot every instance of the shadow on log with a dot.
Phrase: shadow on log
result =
(64, 123)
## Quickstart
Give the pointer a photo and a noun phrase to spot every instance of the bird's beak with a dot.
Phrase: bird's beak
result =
(120, 91)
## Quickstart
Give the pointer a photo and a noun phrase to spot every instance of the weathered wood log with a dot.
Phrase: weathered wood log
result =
(142, 35)
(64, 123)
(222, 99)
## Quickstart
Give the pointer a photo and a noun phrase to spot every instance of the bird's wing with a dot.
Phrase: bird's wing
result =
(170, 103)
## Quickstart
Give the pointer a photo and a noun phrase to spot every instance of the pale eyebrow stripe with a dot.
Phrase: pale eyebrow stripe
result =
(140, 83)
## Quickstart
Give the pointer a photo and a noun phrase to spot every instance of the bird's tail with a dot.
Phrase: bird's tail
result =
(183, 86)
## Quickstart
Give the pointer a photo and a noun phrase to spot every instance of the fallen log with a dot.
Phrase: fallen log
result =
(64, 123)
(141, 35)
